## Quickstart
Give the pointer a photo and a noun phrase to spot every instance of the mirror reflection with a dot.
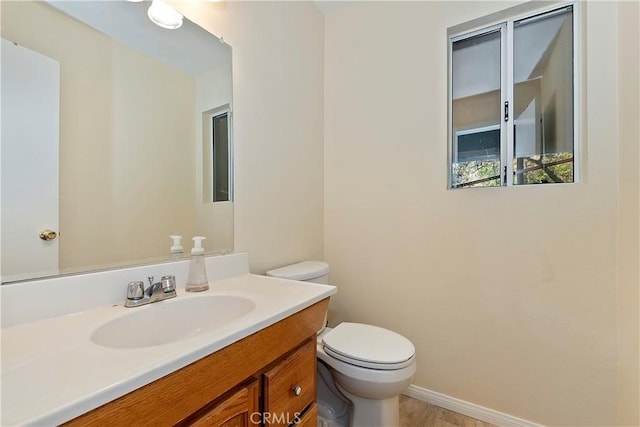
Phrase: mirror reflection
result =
(116, 133)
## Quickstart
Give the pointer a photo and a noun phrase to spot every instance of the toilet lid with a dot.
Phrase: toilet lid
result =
(304, 270)
(368, 346)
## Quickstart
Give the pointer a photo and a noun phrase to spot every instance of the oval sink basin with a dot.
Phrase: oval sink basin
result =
(171, 320)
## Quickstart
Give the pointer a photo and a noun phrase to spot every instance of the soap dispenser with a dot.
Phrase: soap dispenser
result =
(176, 248)
(197, 280)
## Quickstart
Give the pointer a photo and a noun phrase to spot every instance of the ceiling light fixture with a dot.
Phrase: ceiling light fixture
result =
(164, 15)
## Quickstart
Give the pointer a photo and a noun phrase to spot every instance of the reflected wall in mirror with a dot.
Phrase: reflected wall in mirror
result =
(104, 133)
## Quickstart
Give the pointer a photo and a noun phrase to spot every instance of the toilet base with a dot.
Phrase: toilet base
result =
(373, 412)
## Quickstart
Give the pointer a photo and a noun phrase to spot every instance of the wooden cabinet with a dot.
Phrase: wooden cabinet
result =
(267, 378)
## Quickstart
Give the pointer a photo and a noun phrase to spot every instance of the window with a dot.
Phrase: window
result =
(512, 101)
(220, 161)
(217, 155)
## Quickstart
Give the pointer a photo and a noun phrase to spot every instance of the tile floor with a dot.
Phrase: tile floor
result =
(415, 413)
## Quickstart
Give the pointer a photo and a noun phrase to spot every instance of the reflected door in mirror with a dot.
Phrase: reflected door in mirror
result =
(30, 128)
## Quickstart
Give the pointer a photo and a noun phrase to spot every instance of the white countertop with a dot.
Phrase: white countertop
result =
(52, 371)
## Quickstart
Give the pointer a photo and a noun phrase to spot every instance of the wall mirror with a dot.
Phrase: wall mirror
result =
(112, 138)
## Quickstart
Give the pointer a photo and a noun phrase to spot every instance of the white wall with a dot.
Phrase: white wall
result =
(278, 99)
(510, 294)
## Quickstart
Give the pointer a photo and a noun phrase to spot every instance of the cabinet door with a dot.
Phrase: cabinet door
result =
(241, 409)
(290, 387)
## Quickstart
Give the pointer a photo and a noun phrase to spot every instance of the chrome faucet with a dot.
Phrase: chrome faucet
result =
(137, 295)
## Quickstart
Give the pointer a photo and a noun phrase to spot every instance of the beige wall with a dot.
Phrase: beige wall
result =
(153, 150)
(509, 294)
(213, 220)
(278, 98)
(629, 211)
(119, 154)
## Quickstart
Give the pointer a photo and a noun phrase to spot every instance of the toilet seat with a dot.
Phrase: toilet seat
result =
(369, 365)
(368, 346)
(374, 377)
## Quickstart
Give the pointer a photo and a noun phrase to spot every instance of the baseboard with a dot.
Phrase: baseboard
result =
(467, 408)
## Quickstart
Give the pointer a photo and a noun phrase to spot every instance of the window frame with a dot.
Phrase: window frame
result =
(504, 22)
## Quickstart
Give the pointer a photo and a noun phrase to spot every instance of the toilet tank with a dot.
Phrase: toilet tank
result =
(306, 271)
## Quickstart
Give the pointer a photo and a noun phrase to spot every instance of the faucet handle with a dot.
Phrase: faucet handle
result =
(168, 283)
(135, 290)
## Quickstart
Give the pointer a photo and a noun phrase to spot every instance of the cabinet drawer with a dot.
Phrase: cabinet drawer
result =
(310, 418)
(290, 386)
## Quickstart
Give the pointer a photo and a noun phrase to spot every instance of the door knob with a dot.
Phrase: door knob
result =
(48, 234)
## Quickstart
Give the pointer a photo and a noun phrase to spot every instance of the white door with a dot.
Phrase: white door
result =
(29, 150)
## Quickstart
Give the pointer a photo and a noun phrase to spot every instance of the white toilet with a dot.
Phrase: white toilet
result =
(369, 366)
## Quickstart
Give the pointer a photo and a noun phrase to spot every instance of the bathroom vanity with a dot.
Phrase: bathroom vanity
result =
(242, 353)
(273, 369)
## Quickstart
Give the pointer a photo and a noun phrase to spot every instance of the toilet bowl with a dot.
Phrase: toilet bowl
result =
(370, 366)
